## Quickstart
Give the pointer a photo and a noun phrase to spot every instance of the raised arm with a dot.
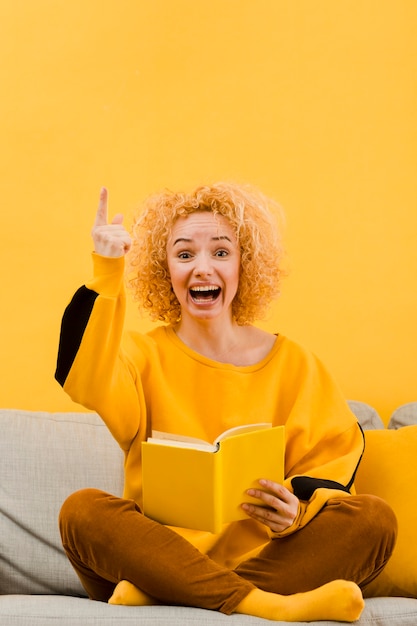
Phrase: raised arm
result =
(91, 366)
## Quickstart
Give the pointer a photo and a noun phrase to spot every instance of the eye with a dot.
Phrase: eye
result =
(184, 255)
(222, 253)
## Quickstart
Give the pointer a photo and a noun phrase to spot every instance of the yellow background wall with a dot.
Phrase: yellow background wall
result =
(312, 101)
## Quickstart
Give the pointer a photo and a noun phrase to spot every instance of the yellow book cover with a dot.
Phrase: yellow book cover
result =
(194, 484)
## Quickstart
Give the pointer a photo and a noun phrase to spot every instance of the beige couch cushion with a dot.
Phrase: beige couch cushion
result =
(60, 611)
(43, 458)
(405, 415)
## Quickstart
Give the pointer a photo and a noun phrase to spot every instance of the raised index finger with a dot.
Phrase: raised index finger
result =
(101, 215)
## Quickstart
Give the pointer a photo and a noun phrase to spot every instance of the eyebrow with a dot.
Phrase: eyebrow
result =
(186, 240)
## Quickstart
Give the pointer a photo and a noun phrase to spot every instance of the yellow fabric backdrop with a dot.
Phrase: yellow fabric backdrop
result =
(314, 102)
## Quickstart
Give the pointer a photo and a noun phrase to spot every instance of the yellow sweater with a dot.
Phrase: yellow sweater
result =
(138, 381)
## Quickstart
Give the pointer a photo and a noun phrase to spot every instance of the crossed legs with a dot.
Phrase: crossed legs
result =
(295, 578)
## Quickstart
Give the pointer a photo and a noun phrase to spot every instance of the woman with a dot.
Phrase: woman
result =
(208, 263)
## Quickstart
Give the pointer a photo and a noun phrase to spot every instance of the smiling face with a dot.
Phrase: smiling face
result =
(203, 261)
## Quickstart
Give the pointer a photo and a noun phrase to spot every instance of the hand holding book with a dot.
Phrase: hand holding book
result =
(279, 506)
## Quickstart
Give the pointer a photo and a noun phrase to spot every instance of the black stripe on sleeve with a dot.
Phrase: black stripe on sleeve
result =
(305, 486)
(350, 484)
(74, 323)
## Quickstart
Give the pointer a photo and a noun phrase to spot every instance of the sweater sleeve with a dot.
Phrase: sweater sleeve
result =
(325, 442)
(309, 506)
(92, 366)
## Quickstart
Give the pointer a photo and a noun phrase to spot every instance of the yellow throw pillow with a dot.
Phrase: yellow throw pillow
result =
(389, 470)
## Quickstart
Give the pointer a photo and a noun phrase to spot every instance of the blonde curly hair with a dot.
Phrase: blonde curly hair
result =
(257, 224)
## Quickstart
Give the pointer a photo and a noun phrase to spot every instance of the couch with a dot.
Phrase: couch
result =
(46, 456)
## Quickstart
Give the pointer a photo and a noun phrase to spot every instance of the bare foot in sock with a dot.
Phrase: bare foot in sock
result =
(129, 595)
(339, 600)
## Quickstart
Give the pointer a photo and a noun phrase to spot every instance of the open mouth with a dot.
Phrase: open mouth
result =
(205, 293)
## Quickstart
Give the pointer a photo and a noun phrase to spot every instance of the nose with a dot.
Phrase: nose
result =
(203, 265)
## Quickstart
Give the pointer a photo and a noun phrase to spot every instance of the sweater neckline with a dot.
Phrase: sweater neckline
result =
(196, 356)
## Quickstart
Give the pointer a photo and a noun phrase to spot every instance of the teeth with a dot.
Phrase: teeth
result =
(204, 288)
(204, 293)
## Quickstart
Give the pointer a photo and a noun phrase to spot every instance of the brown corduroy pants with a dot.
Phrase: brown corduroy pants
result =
(107, 539)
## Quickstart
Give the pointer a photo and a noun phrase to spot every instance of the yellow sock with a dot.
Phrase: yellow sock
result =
(129, 595)
(339, 600)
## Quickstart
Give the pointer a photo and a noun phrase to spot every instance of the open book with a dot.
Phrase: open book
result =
(194, 484)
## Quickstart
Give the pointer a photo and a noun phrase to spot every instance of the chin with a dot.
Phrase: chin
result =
(204, 314)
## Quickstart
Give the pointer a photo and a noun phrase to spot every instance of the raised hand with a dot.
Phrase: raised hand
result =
(112, 239)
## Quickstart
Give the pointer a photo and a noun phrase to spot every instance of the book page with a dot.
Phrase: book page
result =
(239, 430)
(180, 441)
